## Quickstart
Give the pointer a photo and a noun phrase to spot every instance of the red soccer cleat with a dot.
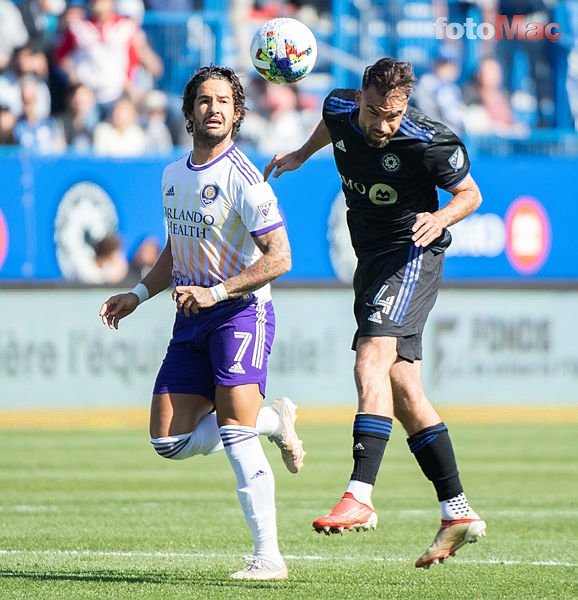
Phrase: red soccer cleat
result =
(347, 514)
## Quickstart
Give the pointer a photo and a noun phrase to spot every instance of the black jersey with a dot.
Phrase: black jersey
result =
(386, 187)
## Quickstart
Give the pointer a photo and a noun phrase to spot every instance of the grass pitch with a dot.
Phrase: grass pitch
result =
(96, 514)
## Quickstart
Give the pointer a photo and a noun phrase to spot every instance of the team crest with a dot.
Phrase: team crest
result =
(209, 194)
(457, 160)
(267, 210)
(390, 162)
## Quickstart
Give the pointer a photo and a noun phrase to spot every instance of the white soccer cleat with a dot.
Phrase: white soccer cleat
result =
(451, 536)
(286, 437)
(260, 568)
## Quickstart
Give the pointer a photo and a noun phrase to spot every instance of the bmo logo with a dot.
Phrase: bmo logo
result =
(528, 235)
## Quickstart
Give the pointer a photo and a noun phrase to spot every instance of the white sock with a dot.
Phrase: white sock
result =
(205, 439)
(457, 507)
(361, 491)
(255, 486)
(267, 421)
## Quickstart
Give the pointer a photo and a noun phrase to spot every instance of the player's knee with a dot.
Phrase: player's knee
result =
(174, 447)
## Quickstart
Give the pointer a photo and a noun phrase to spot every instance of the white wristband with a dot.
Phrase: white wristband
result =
(219, 292)
(141, 291)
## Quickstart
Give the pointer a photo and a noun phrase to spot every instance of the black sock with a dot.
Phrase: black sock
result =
(434, 453)
(370, 436)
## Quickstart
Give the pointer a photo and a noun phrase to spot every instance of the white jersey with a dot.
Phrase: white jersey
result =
(213, 212)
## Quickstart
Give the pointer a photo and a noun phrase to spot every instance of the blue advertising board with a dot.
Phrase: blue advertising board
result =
(53, 208)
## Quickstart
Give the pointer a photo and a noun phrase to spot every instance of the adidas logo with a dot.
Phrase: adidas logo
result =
(259, 473)
(359, 446)
(375, 318)
(341, 146)
(237, 368)
(171, 191)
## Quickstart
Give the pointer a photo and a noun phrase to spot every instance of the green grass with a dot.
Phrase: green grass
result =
(99, 515)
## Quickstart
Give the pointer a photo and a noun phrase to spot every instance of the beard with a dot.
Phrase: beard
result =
(209, 139)
(375, 142)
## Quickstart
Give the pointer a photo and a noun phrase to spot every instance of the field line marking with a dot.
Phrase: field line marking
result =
(211, 555)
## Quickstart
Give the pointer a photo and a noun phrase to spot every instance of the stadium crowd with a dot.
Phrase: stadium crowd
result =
(83, 76)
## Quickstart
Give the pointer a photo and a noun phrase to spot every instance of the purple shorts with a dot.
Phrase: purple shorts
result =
(228, 344)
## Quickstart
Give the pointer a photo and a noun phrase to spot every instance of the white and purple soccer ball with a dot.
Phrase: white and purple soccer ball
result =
(283, 50)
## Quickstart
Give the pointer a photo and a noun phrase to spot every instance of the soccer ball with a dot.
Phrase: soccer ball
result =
(283, 50)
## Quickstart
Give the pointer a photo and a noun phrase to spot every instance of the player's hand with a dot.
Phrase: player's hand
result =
(426, 229)
(190, 298)
(116, 308)
(281, 163)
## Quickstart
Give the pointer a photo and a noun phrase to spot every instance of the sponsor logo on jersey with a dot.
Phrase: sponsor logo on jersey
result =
(375, 318)
(171, 191)
(457, 160)
(267, 210)
(237, 368)
(390, 162)
(209, 194)
(340, 146)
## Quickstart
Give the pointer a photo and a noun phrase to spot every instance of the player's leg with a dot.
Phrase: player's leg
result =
(377, 284)
(237, 409)
(183, 424)
(430, 443)
(239, 348)
(371, 431)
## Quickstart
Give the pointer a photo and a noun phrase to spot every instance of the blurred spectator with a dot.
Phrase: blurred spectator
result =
(172, 5)
(104, 52)
(27, 61)
(122, 136)
(110, 260)
(41, 20)
(7, 123)
(13, 33)
(158, 136)
(79, 120)
(488, 107)
(109, 265)
(34, 131)
(527, 64)
(438, 95)
(144, 257)
(277, 122)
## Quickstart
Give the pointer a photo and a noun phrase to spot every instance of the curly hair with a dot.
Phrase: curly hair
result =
(388, 75)
(214, 72)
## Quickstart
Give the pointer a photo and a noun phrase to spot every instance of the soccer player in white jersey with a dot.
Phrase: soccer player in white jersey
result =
(226, 243)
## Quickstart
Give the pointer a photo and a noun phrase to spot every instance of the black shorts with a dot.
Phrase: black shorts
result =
(394, 294)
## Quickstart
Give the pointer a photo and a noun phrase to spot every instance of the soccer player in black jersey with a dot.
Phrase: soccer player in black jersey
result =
(391, 158)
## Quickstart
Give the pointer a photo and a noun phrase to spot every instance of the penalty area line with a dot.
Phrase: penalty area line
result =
(295, 557)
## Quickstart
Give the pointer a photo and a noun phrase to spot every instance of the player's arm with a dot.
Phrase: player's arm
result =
(156, 280)
(466, 198)
(274, 262)
(293, 160)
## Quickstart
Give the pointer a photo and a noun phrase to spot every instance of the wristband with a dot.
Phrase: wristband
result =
(219, 292)
(141, 291)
